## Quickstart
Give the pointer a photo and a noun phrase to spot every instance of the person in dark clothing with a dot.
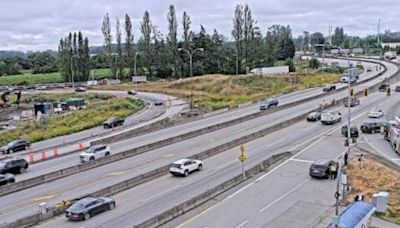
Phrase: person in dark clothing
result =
(346, 157)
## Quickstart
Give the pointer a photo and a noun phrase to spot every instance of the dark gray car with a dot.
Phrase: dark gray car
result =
(6, 179)
(15, 146)
(320, 168)
(113, 122)
(269, 103)
(88, 207)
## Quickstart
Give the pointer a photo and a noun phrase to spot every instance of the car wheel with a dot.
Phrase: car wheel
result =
(10, 151)
(112, 125)
(86, 216)
(22, 170)
(26, 147)
(11, 181)
(107, 154)
(186, 173)
(111, 206)
(91, 158)
(200, 167)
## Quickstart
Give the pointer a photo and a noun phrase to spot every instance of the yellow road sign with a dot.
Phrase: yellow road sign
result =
(242, 157)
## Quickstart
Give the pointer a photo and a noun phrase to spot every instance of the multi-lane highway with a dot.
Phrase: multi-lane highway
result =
(91, 180)
(287, 190)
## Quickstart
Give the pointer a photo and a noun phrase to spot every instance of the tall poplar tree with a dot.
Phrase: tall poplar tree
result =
(119, 66)
(146, 28)
(172, 38)
(106, 29)
(130, 55)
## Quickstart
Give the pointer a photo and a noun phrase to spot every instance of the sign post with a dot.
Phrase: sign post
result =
(242, 158)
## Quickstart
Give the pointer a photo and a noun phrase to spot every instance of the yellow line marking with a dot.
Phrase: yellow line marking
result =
(46, 197)
(116, 173)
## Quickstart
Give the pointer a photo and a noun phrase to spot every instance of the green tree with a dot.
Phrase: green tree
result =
(306, 40)
(317, 38)
(237, 34)
(314, 63)
(146, 29)
(120, 61)
(106, 29)
(130, 54)
(172, 38)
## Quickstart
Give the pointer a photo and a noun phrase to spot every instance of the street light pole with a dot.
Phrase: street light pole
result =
(190, 54)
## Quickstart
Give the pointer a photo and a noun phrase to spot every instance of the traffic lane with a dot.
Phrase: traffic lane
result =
(216, 169)
(269, 144)
(70, 160)
(376, 144)
(288, 181)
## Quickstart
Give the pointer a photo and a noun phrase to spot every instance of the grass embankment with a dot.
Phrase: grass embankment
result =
(27, 78)
(100, 108)
(373, 178)
(220, 91)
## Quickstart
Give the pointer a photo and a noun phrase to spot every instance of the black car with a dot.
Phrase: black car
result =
(6, 179)
(158, 103)
(89, 207)
(383, 87)
(353, 131)
(329, 87)
(314, 116)
(113, 122)
(320, 168)
(13, 165)
(16, 145)
(269, 103)
(371, 127)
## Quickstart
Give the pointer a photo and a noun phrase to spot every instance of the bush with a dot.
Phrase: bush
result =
(314, 63)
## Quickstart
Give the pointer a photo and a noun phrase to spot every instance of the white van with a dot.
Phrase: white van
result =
(330, 117)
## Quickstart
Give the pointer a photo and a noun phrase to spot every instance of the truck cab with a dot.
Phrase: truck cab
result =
(330, 117)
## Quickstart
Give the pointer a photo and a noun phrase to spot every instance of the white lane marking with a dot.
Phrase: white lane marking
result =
(243, 223)
(161, 193)
(376, 148)
(301, 160)
(284, 195)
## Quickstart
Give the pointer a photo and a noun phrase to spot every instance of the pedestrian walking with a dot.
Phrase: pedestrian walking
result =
(346, 157)
(335, 170)
(332, 169)
(361, 160)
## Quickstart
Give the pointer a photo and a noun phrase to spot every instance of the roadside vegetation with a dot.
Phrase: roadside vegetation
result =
(373, 178)
(220, 91)
(28, 78)
(100, 107)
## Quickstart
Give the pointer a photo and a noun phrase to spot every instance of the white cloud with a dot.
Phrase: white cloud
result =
(39, 24)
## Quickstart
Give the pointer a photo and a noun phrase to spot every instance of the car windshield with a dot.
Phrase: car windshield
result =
(318, 166)
(12, 143)
(90, 150)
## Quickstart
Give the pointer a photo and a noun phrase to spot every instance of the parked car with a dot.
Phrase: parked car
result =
(6, 179)
(41, 87)
(269, 103)
(353, 131)
(330, 117)
(329, 87)
(158, 103)
(80, 89)
(95, 152)
(113, 122)
(369, 69)
(375, 113)
(371, 127)
(15, 146)
(13, 165)
(320, 168)
(132, 92)
(88, 207)
(185, 167)
(314, 116)
(383, 87)
(354, 101)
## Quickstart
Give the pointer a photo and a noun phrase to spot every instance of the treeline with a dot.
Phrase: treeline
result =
(167, 55)
(36, 62)
(74, 57)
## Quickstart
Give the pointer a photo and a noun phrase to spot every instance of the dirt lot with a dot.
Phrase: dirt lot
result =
(375, 176)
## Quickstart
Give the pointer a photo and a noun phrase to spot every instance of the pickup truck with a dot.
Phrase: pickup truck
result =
(330, 117)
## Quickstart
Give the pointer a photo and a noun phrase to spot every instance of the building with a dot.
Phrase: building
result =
(270, 70)
(391, 45)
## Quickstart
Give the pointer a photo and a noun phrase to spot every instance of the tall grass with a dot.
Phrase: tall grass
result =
(75, 121)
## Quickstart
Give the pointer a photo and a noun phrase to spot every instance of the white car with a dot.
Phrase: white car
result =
(95, 152)
(185, 166)
(375, 113)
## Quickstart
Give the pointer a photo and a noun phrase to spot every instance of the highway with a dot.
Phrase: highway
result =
(86, 182)
(281, 188)
(149, 113)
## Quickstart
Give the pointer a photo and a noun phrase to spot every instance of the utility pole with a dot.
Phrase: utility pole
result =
(190, 54)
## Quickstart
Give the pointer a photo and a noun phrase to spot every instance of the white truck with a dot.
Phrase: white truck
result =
(394, 134)
(330, 117)
(390, 55)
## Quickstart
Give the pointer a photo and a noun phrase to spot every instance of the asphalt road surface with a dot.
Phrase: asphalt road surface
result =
(91, 180)
(274, 200)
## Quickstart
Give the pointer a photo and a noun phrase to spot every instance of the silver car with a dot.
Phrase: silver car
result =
(95, 152)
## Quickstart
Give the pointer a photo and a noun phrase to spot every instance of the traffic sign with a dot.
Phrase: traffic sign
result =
(242, 157)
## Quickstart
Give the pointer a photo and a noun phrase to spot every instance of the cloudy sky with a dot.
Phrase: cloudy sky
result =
(39, 24)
